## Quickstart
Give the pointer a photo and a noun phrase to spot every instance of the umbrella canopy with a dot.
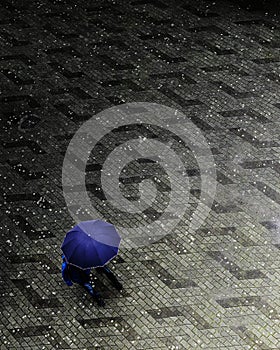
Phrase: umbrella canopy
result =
(91, 244)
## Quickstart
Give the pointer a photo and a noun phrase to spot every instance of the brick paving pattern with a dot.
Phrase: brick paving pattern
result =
(61, 63)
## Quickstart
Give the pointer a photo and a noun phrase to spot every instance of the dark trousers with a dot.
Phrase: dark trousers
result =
(89, 288)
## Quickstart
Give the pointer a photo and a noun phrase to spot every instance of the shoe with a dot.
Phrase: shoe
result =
(100, 302)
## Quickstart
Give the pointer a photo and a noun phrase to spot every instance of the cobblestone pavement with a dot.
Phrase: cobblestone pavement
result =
(60, 64)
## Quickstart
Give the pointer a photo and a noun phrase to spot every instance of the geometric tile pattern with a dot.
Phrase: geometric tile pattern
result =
(62, 62)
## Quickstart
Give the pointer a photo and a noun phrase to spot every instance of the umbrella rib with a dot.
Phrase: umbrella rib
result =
(69, 241)
(97, 251)
(74, 251)
(99, 255)
(93, 250)
(112, 256)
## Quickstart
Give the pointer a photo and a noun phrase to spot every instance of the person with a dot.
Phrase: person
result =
(73, 274)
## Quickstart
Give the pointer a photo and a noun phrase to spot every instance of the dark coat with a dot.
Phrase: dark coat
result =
(72, 274)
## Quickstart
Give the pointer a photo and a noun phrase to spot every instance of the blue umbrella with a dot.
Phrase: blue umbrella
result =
(91, 244)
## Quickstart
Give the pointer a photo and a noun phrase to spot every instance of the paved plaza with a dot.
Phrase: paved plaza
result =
(215, 64)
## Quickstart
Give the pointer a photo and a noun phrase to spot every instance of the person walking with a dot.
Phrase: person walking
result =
(90, 244)
(72, 274)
